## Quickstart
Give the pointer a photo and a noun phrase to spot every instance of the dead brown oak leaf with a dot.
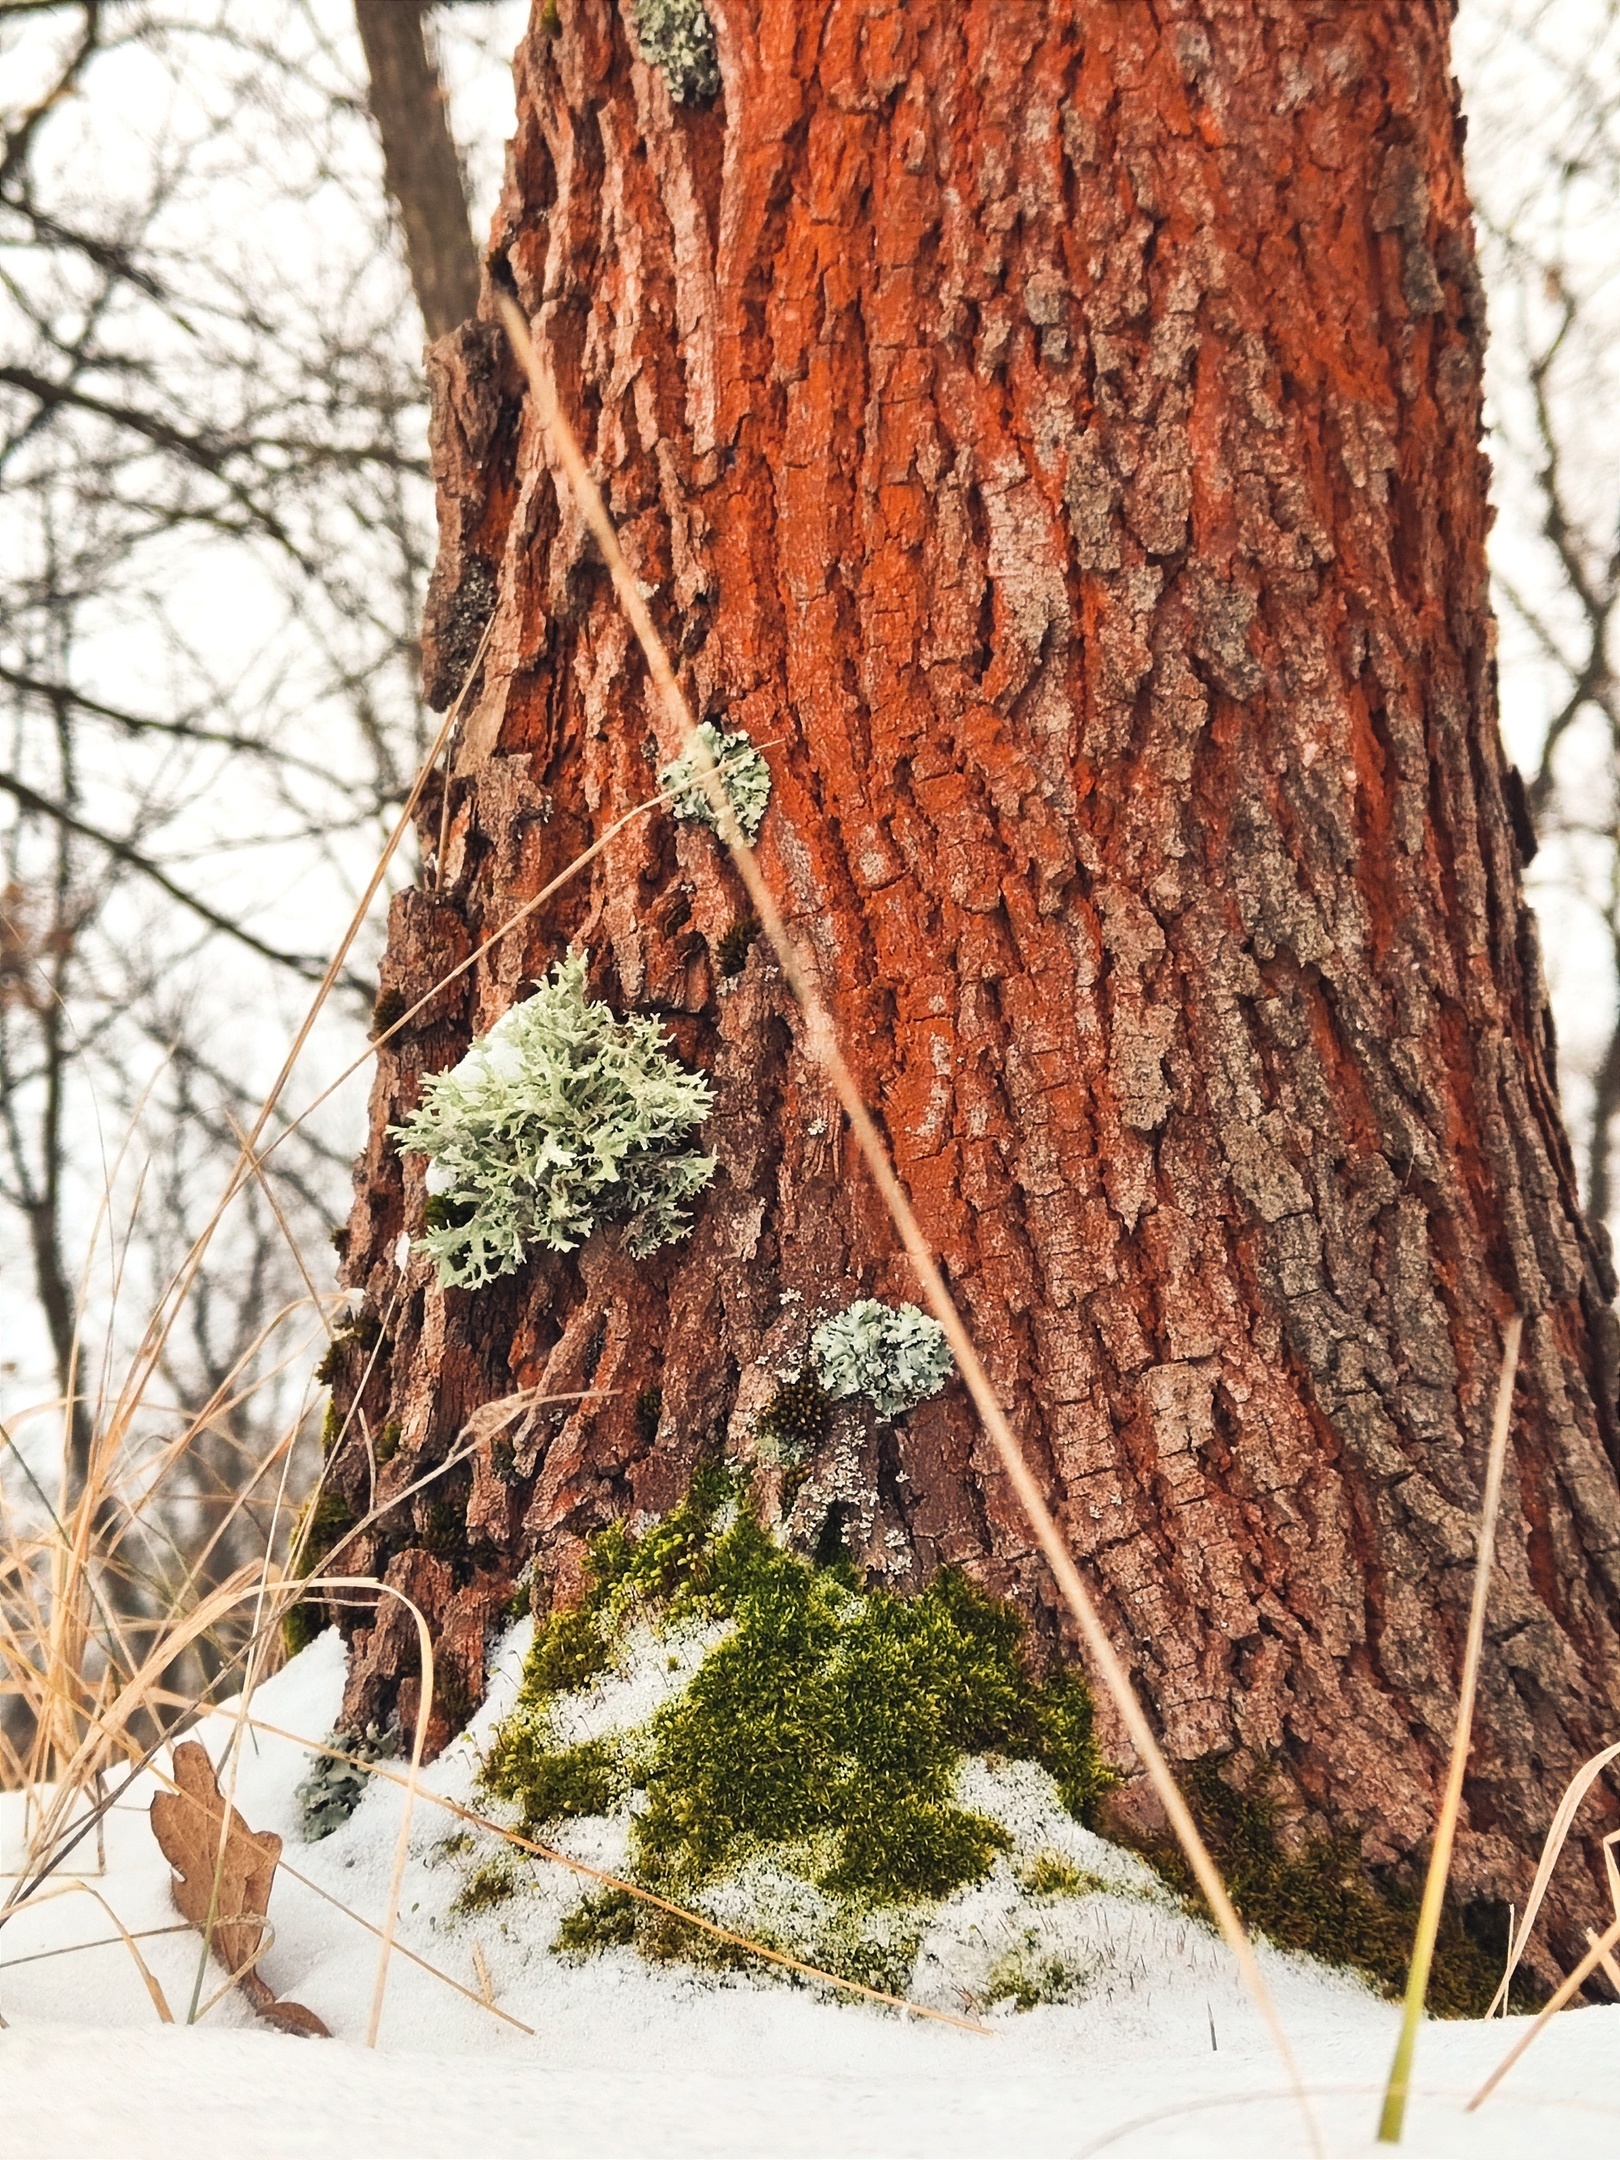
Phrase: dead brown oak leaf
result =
(224, 1871)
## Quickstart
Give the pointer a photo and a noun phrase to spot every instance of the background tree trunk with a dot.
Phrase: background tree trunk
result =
(1055, 432)
(420, 166)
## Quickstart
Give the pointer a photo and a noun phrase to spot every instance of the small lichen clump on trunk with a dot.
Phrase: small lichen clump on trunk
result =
(894, 1355)
(744, 775)
(677, 36)
(332, 1789)
(822, 1730)
(561, 1119)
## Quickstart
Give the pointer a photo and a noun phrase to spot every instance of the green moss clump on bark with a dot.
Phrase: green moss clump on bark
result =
(1321, 1898)
(824, 1730)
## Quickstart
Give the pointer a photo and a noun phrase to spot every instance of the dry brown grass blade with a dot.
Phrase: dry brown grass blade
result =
(1569, 1988)
(424, 1710)
(159, 1999)
(1611, 1971)
(1558, 1832)
(109, 1727)
(822, 1041)
(1393, 2117)
(97, 1942)
(145, 1362)
(617, 1882)
(400, 1949)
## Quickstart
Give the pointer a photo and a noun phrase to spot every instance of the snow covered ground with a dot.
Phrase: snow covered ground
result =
(1162, 2053)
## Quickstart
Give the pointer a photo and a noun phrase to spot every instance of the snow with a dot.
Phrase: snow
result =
(1161, 2053)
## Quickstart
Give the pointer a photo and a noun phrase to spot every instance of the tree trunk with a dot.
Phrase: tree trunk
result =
(420, 166)
(1055, 434)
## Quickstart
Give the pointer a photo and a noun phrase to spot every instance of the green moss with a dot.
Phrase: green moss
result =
(300, 1624)
(568, 1652)
(606, 1920)
(1029, 1976)
(388, 1441)
(492, 1884)
(1053, 1874)
(1321, 1898)
(555, 1784)
(444, 1529)
(832, 1714)
(321, 1523)
(362, 1333)
(824, 1732)
(674, 1560)
(796, 1417)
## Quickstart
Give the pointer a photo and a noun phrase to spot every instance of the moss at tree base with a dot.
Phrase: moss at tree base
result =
(823, 1730)
(1323, 1900)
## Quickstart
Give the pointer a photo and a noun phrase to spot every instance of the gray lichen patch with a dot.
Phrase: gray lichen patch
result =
(744, 775)
(894, 1355)
(332, 1789)
(677, 36)
(561, 1119)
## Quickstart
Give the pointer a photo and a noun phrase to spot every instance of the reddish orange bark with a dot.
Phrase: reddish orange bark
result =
(1055, 432)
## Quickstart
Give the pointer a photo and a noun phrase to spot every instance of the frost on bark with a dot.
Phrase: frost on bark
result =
(1054, 434)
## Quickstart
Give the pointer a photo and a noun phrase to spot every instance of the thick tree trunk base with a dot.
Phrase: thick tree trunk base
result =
(1055, 434)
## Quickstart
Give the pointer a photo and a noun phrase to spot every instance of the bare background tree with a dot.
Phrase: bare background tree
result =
(1541, 85)
(215, 532)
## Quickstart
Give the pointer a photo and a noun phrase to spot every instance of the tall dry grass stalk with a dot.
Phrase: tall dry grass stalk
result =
(1392, 2119)
(64, 1647)
(1568, 1989)
(822, 1041)
(1558, 1831)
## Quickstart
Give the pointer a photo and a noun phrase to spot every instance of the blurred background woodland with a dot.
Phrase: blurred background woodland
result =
(216, 528)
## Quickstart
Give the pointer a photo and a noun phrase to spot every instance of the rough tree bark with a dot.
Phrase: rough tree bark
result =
(1056, 433)
(420, 166)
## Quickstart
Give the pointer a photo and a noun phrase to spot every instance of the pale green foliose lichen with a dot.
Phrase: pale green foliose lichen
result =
(894, 1355)
(677, 36)
(561, 1119)
(744, 775)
